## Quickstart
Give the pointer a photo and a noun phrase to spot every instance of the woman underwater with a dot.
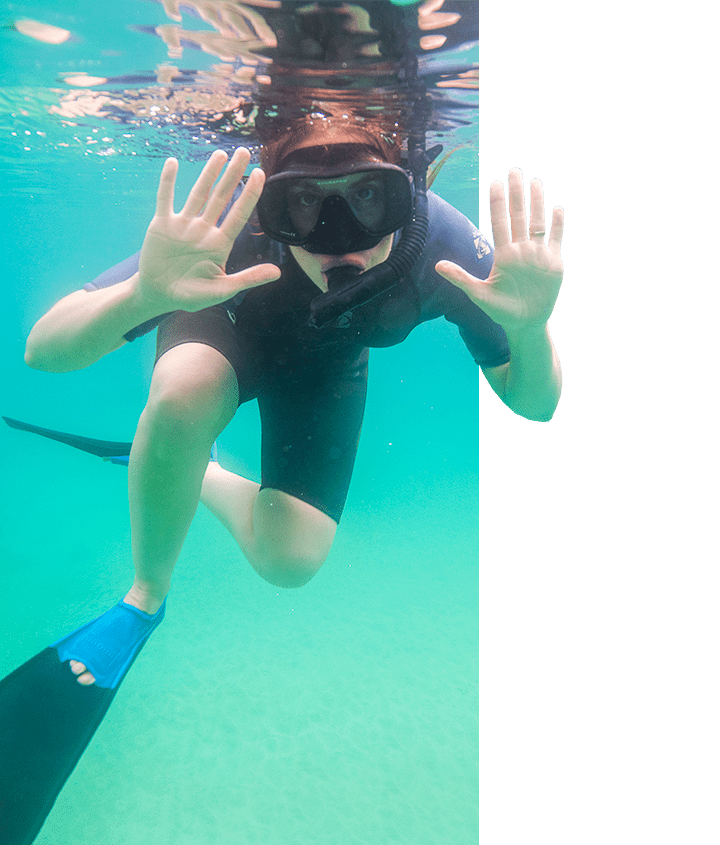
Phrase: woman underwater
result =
(232, 282)
(231, 297)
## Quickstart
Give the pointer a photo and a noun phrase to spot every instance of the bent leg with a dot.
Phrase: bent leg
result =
(285, 539)
(193, 396)
(311, 412)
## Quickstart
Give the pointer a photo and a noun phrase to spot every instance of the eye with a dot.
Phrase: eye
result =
(366, 193)
(307, 200)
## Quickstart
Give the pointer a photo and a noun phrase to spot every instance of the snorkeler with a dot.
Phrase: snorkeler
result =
(231, 300)
(230, 292)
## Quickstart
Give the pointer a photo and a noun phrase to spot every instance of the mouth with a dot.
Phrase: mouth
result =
(343, 261)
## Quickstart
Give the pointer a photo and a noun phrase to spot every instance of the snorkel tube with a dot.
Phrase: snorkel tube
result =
(348, 287)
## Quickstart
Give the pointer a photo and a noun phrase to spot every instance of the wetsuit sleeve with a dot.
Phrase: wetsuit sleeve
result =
(453, 237)
(119, 273)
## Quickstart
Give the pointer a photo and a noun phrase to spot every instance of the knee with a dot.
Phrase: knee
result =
(171, 425)
(291, 539)
(188, 406)
(175, 409)
(287, 569)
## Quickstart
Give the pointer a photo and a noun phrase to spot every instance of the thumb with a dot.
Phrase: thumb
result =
(253, 277)
(460, 278)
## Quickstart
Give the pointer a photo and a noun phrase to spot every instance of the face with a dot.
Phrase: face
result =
(316, 266)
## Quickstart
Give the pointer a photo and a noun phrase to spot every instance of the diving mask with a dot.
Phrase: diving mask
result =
(338, 210)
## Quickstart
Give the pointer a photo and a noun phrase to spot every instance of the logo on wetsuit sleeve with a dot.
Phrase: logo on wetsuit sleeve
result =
(482, 247)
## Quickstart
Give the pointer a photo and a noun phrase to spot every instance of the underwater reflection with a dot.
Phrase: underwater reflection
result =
(362, 62)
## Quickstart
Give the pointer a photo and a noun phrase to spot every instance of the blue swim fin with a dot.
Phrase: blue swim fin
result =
(47, 718)
(109, 644)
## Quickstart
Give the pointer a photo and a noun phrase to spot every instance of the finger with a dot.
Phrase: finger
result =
(260, 274)
(516, 194)
(537, 211)
(220, 197)
(498, 215)
(243, 206)
(166, 188)
(556, 230)
(461, 278)
(201, 189)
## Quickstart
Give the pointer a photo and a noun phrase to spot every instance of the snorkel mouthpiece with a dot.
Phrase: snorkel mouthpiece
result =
(340, 276)
(349, 289)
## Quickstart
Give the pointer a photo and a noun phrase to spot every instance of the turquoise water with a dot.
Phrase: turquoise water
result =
(344, 712)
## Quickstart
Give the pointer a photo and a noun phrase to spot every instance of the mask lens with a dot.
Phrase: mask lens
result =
(378, 202)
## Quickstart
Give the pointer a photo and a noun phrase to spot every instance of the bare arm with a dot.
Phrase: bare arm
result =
(83, 327)
(530, 383)
(182, 268)
(520, 294)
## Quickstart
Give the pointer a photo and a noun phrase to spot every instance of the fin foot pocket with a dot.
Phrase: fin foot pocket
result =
(108, 645)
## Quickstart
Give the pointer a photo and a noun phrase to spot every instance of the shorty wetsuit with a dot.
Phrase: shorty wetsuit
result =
(311, 383)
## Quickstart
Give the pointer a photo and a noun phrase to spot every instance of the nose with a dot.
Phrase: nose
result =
(334, 228)
(337, 232)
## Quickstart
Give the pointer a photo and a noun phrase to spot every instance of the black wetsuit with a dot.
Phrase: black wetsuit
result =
(311, 383)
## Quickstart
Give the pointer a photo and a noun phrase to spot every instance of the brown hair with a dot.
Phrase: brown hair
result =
(326, 125)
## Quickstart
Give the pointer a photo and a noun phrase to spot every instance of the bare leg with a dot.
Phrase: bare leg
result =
(285, 539)
(193, 396)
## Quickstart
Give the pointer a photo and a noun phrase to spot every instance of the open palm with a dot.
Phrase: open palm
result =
(183, 258)
(526, 275)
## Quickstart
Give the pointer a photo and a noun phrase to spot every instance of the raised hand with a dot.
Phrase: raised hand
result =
(525, 278)
(182, 263)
